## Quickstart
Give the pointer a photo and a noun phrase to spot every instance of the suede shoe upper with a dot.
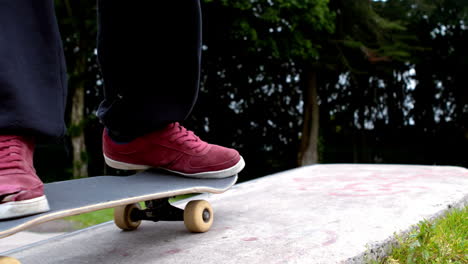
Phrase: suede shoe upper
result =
(18, 179)
(173, 148)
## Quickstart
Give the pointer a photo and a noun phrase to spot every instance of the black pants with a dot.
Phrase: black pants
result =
(149, 53)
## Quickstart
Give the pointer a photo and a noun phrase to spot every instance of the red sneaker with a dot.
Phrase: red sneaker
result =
(21, 190)
(174, 149)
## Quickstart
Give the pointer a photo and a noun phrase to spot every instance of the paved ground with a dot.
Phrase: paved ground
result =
(317, 214)
(23, 239)
(36, 234)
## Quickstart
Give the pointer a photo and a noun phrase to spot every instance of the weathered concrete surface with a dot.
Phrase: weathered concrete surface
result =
(37, 234)
(23, 239)
(317, 214)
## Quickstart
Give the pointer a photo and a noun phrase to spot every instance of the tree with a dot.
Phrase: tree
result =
(440, 97)
(287, 33)
(77, 21)
(402, 109)
(372, 75)
(314, 36)
(364, 45)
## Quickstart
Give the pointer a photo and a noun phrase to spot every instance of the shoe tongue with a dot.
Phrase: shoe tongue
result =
(188, 136)
(173, 128)
(176, 128)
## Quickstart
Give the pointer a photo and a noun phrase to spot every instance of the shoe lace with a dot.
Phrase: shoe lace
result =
(11, 148)
(181, 136)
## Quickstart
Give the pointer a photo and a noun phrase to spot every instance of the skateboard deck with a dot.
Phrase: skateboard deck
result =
(79, 196)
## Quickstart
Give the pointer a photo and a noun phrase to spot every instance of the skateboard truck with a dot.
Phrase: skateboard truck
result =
(162, 210)
(158, 210)
(197, 216)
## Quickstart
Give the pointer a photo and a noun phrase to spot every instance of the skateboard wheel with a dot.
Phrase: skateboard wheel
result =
(8, 260)
(122, 217)
(198, 216)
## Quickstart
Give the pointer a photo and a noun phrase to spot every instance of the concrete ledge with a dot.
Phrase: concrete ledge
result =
(23, 240)
(316, 214)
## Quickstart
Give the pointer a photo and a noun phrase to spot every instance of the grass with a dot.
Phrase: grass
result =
(444, 240)
(90, 219)
(101, 216)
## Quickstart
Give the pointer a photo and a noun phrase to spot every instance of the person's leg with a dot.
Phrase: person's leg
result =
(32, 70)
(149, 53)
(32, 99)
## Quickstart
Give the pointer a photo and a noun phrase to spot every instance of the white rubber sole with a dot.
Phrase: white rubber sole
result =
(202, 175)
(24, 208)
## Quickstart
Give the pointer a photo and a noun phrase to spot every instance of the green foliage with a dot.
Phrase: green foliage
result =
(284, 29)
(77, 21)
(442, 241)
(93, 218)
(363, 37)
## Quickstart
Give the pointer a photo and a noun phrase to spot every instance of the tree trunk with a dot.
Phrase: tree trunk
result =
(77, 88)
(308, 153)
(80, 164)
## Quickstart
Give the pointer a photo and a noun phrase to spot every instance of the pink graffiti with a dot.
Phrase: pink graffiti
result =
(376, 189)
(331, 239)
(374, 181)
(173, 251)
(248, 239)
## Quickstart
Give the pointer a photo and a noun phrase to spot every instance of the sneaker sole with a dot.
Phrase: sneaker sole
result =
(24, 208)
(202, 175)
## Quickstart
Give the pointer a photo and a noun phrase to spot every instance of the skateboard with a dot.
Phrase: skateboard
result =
(124, 194)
